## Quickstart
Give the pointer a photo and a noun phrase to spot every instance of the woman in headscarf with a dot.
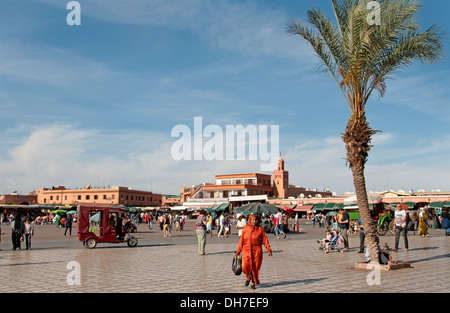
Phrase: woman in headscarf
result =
(423, 226)
(252, 238)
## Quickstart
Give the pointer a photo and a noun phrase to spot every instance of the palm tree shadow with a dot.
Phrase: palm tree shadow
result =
(293, 282)
(431, 258)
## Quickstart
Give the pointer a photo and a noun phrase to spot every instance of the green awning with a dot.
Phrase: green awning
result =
(218, 207)
(330, 206)
(319, 206)
(436, 204)
(223, 206)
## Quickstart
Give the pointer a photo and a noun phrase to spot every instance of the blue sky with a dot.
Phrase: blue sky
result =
(95, 104)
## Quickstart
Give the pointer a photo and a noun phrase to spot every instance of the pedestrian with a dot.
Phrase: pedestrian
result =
(201, 232)
(166, 223)
(209, 221)
(17, 230)
(279, 224)
(150, 221)
(250, 245)
(119, 227)
(362, 236)
(226, 225)
(413, 216)
(285, 223)
(1, 235)
(68, 225)
(172, 222)
(423, 226)
(177, 222)
(329, 220)
(58, 220)
(161, 222)
(29, 231)
(241, 223)
(221, 225)
(344, 223)
(313, 219)
(400, 217)
(437, 221)
(445, 221)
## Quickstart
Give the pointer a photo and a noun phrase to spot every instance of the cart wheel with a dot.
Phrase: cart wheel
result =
(383, 228)
(391, 227)
(90, 243)
(132, 242)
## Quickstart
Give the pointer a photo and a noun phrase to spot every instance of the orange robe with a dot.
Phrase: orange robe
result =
(250, 245)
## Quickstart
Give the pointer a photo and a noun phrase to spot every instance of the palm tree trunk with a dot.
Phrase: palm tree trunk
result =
(364, 211)
(357, 138)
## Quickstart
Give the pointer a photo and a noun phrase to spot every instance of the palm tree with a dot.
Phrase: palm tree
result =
(360, 54)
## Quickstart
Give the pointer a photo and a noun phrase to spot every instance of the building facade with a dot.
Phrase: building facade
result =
(115, 195)
(15, 198)
(236, 185)
(249, 187)
(283, 190)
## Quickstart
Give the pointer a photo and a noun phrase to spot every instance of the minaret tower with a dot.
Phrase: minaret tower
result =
(280, 180)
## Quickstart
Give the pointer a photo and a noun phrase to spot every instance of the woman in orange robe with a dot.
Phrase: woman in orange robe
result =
(252, 238)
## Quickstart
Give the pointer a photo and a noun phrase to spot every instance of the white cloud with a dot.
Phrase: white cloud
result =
(319, 163)
(67, 155)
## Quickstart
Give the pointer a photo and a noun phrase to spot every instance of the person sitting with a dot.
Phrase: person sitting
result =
(384, 257)
(326, 241)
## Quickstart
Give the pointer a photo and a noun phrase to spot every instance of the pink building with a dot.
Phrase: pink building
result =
(114, 195)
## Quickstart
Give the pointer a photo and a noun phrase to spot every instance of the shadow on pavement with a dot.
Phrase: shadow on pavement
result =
(294, 282)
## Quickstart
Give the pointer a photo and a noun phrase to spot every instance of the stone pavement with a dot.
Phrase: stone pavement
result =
(171, 265)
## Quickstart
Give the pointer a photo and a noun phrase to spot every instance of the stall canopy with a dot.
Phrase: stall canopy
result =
(287, 210)
(218, 207)
(410, 204)
(353, 201)
(319, 206)
(180, 208)
(303, 208)
(436, 204)
(330, 206)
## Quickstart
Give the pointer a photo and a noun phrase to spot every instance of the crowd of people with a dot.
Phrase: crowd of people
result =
(22, 229)
(252, 230)
(404, 221)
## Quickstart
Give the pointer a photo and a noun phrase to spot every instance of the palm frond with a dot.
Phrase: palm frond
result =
(360, 57)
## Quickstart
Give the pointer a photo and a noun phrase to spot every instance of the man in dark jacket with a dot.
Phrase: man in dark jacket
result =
(68, 225)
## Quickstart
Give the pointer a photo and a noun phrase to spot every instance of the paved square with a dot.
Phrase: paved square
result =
(172, 265)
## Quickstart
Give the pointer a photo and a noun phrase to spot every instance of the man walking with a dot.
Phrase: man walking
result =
(344, 223)
(279, 226)
(400, 226)
(68, 225)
